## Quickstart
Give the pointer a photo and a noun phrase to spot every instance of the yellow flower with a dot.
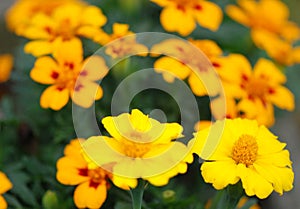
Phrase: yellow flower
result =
(69, 76)
(141, 147)
(5, 185)
(65, 23)
(122, 42)
(259, 15)
(260, 89)
(273, 33)
(92, 181)
(181, 15)
(18, 16)
(278, 49)
(185, 60)
(6, 64)
(240, 149)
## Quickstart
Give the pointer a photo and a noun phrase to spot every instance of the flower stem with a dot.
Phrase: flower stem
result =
(228, 198)
(137, 195)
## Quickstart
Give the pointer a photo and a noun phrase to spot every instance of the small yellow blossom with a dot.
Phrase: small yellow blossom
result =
(192, 62)
(18, 16)
(92, 181)
(6, 65)
(65, 23)
(5, 185)
(181, 15)
(141, 147)
(259, 89)
(121, 43)
(244, 151)
(69, 76)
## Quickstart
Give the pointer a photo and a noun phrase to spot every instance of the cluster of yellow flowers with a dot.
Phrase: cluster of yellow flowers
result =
(238, 147)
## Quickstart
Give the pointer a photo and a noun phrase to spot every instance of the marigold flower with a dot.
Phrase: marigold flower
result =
(273, 33)
(141, 147)
(6, 65)
(65, 23)
(18, 16)
(69, 76)
(122, 42)
(75, 169)
(181, 15)
(259, 15)
(189, 58)
(5, 185)
(244, 151)
(259, 89)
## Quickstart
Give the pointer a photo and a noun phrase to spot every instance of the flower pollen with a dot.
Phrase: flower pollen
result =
(135, 149)
(245, 150)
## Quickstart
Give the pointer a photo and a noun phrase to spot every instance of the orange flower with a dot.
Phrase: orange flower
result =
(5, 185)
(181, 15)
(69, 76)
(121, 42)
(19, 15)
(273, 33)
(6, 64)
(187, 61)
(92, 181)
(258, 90)
(65, 23)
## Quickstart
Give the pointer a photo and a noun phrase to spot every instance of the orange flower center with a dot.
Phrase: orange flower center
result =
(255, 87)
(68, 76)
(97, 175)
(245, 150)
(183, 4)
(135, 149)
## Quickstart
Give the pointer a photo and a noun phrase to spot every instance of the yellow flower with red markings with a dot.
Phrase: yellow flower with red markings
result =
(6, 65)
(65, 23)
(273, 33)
(75, 169)
(18, 16)
(69, 76)
(141, 147)
(194, 58)
(241, 150)
(257, 90)
(121, 43)
(5, 185)
(181, 15)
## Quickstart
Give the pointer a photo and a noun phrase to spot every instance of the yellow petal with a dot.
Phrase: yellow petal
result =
(282, 98)
(176, 20)
(3, 203)
(86, 196)
(253, 183)
(220, 173)
(68, 51)
(238, 15)
(124, 183)
(39, 48)
(210, 16)
(85, 93)
(54, 97)
(45, 70)
(92, 15)
(268, 70)
(5, 184)
(171, 68)
(68, 170)
(6, 64)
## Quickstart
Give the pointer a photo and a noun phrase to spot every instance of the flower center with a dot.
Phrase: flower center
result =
(135, 149)
(97, 175)
(255, 87)
(245, 150)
